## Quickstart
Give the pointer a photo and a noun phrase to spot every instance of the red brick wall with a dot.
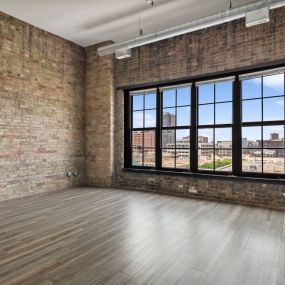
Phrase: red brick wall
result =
(41, 110)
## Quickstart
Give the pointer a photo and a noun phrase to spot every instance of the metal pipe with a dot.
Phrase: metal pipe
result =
(214, 20)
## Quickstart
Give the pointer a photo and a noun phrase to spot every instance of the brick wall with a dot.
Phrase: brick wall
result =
(99, 90)
(220, 48)
(41, 110)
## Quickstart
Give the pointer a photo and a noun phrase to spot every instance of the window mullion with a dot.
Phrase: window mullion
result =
(193, 131)
(158, 148)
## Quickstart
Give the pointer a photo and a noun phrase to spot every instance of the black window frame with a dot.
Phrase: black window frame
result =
(236, 125)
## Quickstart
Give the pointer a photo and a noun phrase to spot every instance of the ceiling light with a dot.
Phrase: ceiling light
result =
(122, 53)
(149, 2)
(257, 17)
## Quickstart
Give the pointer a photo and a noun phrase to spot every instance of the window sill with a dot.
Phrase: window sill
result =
(261, 180)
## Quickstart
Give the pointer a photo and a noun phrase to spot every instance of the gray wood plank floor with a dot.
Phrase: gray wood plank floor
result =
(90, 236)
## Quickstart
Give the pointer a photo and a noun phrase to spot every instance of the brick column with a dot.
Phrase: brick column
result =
(99, 92)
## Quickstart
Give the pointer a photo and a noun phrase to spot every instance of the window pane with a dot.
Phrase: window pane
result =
(168, 138)
(251, 111)
(168, 158)
(206, 114)
(137, 157)
(169, 118)
(273, 161)
(223, 138)
(169, 98)
(273, 137)
(150, 118)
(149, 157)
(251, 137)
(149, 139)
(206, 93)
(224, 91)
(183, 138)
(183, 96)
(273, 85)
(252, 160)
(205, 138)
(150, 101)
(137, 102)
(223, 160)
(137, 139)
(206, 159)
(224, 113)
(138, 119)
(251, 88)
(183, 116)
(183, 158)
(273, 109)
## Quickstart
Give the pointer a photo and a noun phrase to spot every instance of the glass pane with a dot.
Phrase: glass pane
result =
(183, 138)
(183, 158)
(150, 101)
(169, 98)
(223, 138)
(137, 139)
(206, 93)
(137, 157)
(168, 138)
(168, 158)
(252, 160)
(149, 139)
(251, 88)
(224, 91)
(273, 161)
(273, 109)
(150, 118)
(205, 138)
(184, 96)
(183, 116)
(251, 137)
(206, 114)
(169, 118)
(224, 113)
(138, 119)
(273, 137)
(206, 159)
(149, 157)
(223, 160)
(251, 111)
(273, 85)
(137, 102)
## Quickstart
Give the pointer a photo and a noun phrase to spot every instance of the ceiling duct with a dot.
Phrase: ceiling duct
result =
(221, 18)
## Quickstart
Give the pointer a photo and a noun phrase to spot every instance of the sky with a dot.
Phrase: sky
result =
(273, 107)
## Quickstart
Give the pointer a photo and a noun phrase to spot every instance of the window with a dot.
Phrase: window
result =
(215, 125)
(229, 125)
(175, 136)
(143, 128)
(263, 123)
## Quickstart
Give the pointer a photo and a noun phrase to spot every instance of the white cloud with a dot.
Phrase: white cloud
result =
(274, 81)
(280, 102)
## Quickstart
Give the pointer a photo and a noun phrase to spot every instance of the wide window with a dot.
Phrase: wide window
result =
(228, 125)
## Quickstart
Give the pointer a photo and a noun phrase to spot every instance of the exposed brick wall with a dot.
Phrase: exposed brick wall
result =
(99, 90)
(41, 110)
(220, 48)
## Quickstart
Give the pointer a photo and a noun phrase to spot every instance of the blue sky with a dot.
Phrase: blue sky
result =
(273, 108)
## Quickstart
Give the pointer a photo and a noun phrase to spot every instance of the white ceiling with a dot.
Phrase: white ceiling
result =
(87, 22)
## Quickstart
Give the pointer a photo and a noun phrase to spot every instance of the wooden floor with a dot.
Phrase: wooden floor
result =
(98, 236)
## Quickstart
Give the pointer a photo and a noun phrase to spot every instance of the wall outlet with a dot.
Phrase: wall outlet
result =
(192, 190)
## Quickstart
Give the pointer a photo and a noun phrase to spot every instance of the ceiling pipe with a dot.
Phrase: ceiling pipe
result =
(221, 18)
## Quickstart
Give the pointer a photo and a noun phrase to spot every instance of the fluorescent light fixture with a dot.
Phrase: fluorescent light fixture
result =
(122, 53)
(257, 17)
